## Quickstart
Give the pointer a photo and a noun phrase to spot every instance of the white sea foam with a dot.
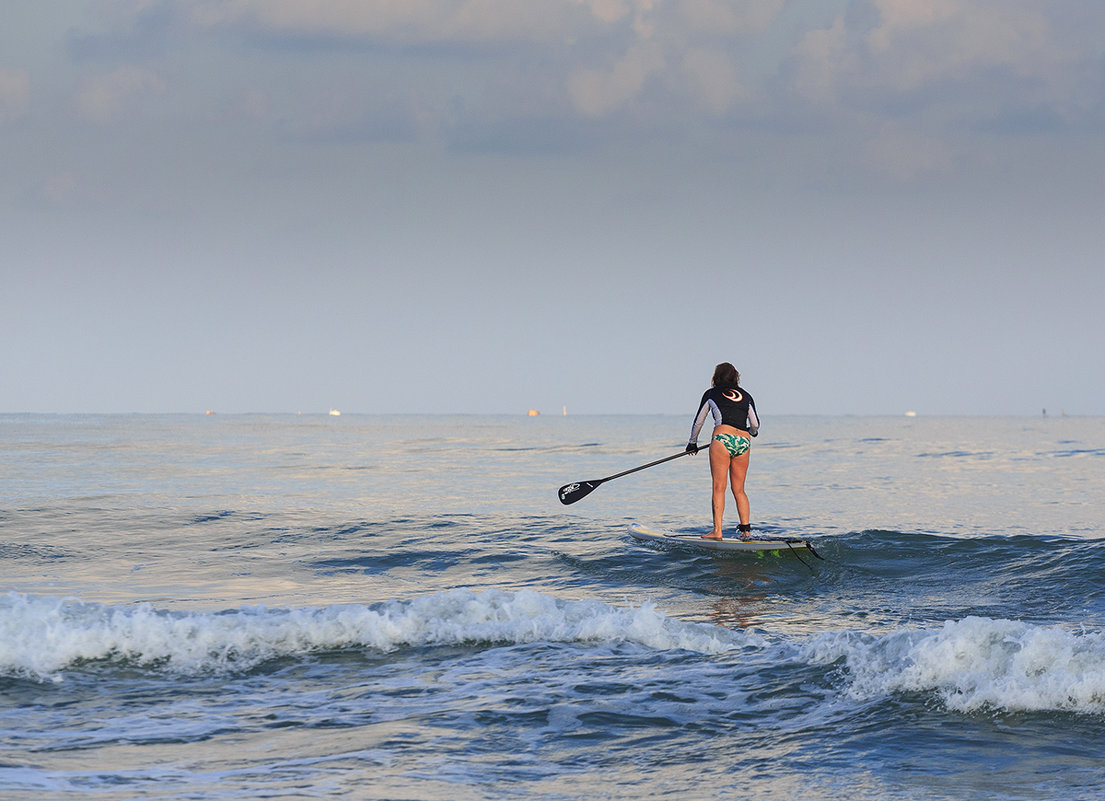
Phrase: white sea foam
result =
(976, 664)
(971, 664)
(41, 636)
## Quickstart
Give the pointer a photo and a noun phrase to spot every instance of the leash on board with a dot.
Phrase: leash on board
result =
(811, 550)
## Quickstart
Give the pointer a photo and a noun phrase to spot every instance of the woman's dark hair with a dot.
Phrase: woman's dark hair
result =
(726, 375)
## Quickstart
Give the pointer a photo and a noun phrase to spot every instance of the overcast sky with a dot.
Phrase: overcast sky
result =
(424, 206)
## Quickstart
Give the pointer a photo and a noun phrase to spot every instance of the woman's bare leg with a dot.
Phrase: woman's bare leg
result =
(738, 470)
(719, 471)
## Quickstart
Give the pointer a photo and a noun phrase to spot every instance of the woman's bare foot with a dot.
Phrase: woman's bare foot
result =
(713, 535)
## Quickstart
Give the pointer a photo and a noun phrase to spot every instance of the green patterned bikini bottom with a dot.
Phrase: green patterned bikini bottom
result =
(735, 444)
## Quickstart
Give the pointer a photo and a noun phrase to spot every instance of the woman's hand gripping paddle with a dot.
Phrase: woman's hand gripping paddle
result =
(570, 493)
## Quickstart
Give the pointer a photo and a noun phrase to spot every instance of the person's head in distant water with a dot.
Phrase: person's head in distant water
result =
(726, 375)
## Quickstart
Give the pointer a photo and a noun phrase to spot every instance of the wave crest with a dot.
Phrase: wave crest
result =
(40, 636)
(976, 664)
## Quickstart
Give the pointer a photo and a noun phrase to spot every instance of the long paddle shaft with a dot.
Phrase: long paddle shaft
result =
(570, 493)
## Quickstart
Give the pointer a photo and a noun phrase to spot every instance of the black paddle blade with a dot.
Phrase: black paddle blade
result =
(570, 493)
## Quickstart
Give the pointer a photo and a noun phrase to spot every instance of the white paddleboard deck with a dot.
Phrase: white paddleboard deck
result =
(647, 534)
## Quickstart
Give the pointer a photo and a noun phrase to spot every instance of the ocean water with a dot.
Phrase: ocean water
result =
(375, 607)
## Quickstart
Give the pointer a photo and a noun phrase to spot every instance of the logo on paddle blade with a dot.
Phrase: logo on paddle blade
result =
(568, 490)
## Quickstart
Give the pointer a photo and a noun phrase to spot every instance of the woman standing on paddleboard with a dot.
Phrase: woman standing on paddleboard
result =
(735, 423)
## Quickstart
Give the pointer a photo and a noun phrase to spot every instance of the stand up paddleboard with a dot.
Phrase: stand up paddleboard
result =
(646, 534)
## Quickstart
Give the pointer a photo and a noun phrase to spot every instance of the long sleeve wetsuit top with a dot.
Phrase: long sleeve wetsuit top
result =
(731, 406)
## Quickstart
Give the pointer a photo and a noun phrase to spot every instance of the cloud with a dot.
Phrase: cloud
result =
(416, 21)
(905, 47)
(726, 18)
(475, 73)
(825, 60)
(919, 42)
(914, 84)
(595, 92)
(103, 97)
(484, 21)
(15, 94)
(713, 78)
(608, 50)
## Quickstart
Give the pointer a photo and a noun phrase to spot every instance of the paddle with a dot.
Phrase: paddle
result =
(570, 493)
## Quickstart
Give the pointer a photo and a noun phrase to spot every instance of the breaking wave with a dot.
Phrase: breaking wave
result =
(970, 665)
(975, 664)
(40, 636)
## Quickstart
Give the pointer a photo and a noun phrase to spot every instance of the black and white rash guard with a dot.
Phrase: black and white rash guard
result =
(731, 406)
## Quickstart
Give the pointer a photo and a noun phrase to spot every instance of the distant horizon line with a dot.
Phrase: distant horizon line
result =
(527, 414)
